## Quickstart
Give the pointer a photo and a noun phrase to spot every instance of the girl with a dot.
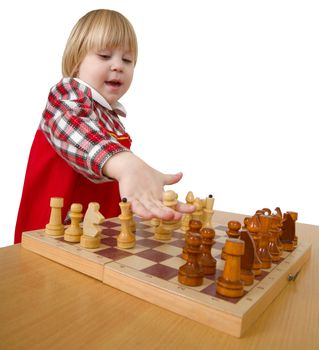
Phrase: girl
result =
(81, 151)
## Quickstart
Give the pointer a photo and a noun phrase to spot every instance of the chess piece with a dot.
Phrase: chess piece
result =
(126, 238)
(263, 250)
(246, 221)
(191, 273)
(166, 227)
(91, 227)
(278, 212)
(133, 224)
(253, 226)
(232, 232)
(266, 211)
(233, 229)
(198, 213)
(194, 227)
(208, 211)
(74, 232)
(277, 223)
(155, 222)
(161, 233)
(273, 238)
(170, 201)
(247, 259)
(206, 260)
(188, 216)
(55, 226)
(288, 232)
(229, 284)
(294, 217)
(260, 212)
(190, 198)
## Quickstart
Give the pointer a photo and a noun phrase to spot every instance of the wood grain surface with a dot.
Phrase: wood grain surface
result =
(44, 305)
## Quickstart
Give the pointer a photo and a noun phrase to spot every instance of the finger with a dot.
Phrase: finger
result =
(177, 215)
(185, 208)
(148, 209)
(163, 212)
(140, 210)
(159, 210)
(171, 179)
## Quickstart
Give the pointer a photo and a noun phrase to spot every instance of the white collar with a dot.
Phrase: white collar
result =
(119, 108)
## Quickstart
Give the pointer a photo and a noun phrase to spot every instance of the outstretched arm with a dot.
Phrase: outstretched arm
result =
(143, 186)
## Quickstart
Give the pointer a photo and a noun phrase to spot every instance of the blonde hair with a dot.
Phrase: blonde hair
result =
(97, 30)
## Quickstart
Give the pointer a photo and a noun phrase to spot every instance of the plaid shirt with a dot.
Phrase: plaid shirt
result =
(82, 127)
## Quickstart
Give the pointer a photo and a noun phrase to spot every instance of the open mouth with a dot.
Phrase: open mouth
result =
(113, 83)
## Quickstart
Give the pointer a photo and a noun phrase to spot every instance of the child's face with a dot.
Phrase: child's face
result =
(109, 71)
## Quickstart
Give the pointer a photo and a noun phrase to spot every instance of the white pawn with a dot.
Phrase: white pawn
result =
(155, 222)
(74, 232)
(166, 227)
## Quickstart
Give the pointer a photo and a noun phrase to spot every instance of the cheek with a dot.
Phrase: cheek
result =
(90, 70)
(130, 78)
(84, 70)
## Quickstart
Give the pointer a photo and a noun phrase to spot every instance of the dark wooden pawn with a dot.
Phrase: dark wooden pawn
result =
(232, 232)
(194, 227)
(191, 273)
(233, 229)
(206, 260)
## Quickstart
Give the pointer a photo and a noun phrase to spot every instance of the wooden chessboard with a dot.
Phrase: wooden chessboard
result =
(149, 271)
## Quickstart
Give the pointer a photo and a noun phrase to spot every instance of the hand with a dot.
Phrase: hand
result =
(143, 186)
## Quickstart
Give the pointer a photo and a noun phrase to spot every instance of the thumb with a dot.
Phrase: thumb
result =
(171, 179)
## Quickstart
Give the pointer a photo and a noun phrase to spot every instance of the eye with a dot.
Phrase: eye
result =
(127, 60)
(104, 56)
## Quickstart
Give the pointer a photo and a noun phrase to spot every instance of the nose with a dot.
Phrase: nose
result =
(117, 64)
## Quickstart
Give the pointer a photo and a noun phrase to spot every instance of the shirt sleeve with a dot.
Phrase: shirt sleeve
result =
(72, 126)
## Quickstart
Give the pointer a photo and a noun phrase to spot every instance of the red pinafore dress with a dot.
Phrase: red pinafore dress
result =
(64, 181)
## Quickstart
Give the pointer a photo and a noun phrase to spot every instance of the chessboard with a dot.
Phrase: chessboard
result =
(150, 271)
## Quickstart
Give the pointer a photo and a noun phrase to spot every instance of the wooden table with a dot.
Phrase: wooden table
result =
(44, 305)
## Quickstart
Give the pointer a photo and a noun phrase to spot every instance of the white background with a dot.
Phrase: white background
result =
(225, 91)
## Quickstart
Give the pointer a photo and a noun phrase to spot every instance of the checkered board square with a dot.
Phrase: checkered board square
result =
(150, 271)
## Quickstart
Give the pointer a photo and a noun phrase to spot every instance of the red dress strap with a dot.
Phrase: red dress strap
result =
(48, 175)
